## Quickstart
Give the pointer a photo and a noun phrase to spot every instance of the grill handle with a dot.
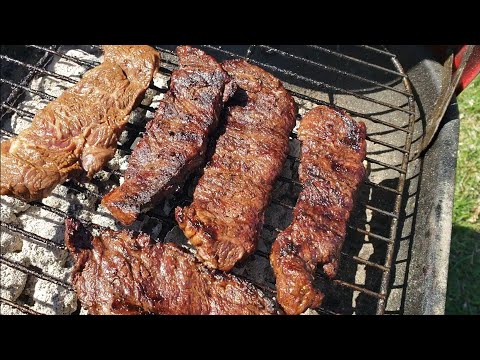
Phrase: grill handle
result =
(472, 67)
(462, 63)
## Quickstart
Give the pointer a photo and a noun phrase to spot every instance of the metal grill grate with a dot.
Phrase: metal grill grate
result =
(368, 82)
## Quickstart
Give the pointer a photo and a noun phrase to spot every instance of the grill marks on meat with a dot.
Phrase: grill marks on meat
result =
(229, 202)
(176, 138)
(331, 171)
(119, 273)
(76, 134)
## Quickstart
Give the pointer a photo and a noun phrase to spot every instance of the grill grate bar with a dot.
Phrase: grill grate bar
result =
(380, 51)
(7, 133)
(37, 69)
(81, 189)
(398, 202)
(365, 261)
(88, 64)
(384, 212)
(21, 112)
(168, 51)
(380, 142)
(326, 311)
(350, 111)
(359, 288)
(38, 274)
(383, 187)
(333, 69)
(370, 234)
(35, 237)
(36, 92)
(384, 164)
(22, 308)
(53, 210)
(359, 61)
(278, 202)
(316, 82)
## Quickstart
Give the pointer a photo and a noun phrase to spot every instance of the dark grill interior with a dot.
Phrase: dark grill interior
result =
(366, 81)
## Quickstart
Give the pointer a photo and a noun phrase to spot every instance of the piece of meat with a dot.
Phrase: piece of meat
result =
(176, 139)
(118, 272)
(76, 134)
(331, 170)
(228, 207)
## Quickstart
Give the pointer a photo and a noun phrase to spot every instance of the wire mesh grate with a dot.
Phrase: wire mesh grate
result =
(368, 82)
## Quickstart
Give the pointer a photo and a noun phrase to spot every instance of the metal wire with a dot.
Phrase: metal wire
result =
(359, 61)
(400, 189)
(333, 69)
(22, 308)
(11, 106)
(320, 84)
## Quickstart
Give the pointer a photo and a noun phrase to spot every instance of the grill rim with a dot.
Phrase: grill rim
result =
(50, 52)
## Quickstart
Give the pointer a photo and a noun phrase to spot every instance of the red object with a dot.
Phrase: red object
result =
(471, 69)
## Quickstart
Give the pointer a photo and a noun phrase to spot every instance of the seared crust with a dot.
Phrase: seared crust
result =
(118, 273)
(229, 202)
(176, 138)
(331, 170)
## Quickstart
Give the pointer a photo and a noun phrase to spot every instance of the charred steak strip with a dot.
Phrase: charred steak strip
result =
(119, 273)
(228, 207)
(176, 138)
(331, 170)
(76, 134)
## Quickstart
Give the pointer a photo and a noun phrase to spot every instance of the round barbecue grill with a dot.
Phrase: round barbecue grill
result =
(385, 267)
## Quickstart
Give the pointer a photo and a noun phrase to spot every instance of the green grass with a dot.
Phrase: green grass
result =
(463, 294)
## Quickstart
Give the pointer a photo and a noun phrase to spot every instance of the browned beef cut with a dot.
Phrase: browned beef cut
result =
(331, 170)
(117, 272)
(176, 138)
(227, 212)
(76, 134)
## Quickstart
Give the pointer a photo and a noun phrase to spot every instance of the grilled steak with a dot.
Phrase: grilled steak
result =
(76, 134)
(176, 138)
(119, 273)
(228, 207)
(331, 170)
